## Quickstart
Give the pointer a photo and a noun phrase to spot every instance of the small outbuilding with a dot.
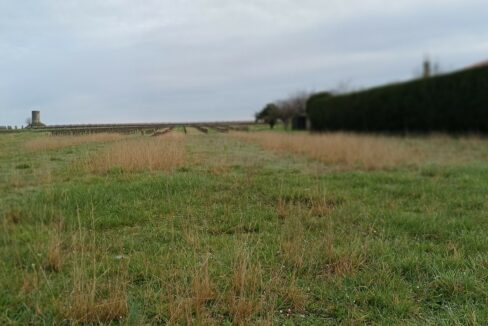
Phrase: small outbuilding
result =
(300, 122)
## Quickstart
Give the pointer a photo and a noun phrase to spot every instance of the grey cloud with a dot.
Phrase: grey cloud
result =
(183, 60)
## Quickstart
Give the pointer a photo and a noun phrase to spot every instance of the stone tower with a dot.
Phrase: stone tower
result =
(427, 72)
(36, 119)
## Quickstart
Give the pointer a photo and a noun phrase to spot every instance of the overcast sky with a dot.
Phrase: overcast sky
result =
(93, 61)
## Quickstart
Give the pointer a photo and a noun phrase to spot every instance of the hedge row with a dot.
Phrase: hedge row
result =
(456, 102)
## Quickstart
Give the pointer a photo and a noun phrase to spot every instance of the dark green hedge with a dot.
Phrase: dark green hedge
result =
(456, 102)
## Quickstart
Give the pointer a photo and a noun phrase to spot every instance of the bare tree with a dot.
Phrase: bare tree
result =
(344, 87)
(292, 106)
(28, 121)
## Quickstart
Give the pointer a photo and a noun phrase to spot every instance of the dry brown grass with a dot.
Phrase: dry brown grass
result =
(189, 305)
(13, 216)
(158, 153)
(345, 264)
(86, 307)
(318, 256)
(282, 209)
(244, 300)
(54, 257)
(293, 245)
(58, 142)
(366, 151)
(441, 148)
(295, 297)
(98, 295)
(202, 287)
(31, 282)
(371, 152)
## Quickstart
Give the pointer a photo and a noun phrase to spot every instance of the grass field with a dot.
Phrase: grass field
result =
(258, 228)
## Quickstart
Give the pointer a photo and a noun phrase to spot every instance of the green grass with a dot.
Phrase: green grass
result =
(241, 235)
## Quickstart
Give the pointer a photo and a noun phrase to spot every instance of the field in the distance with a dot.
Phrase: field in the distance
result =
(243, 228)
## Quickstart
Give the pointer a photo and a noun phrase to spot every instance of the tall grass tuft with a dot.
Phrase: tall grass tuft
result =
(86, 307)
(98, 295)
(158, 153)
(202, 288)
(244, 298)
(54, 257)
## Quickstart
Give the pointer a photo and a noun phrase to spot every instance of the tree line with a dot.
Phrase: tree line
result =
(284, 110)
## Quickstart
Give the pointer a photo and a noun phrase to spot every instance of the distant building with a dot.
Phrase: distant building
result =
(36, 120)
(300, 122)
(427, 69)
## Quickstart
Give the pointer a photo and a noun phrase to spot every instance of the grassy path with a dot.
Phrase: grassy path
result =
(240, 235)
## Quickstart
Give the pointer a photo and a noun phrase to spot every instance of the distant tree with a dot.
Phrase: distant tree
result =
(269, 114)
(28, 121)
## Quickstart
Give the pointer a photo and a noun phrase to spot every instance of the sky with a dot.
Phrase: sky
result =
(116, 61)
